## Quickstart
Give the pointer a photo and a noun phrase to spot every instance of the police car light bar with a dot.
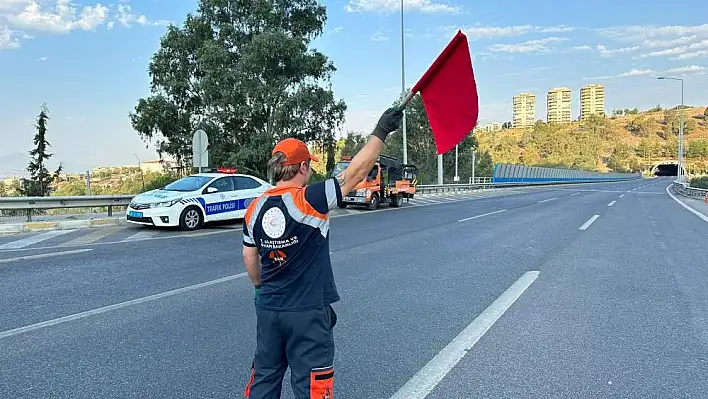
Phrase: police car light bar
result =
(226, 170)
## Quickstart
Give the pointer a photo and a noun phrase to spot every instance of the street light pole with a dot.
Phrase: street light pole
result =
(679, 174)
(457, 176)
(142, 177)
(403, 87)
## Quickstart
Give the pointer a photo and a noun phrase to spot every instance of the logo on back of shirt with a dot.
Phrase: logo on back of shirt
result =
(273, 222)
(278, 257)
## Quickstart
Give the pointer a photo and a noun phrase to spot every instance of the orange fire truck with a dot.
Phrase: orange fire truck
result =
(388, 182)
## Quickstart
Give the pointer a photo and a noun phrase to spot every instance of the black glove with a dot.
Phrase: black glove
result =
(388, 122)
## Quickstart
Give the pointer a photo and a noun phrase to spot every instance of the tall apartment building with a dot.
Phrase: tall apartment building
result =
(592, 101)
(558, 105)
(524, 109)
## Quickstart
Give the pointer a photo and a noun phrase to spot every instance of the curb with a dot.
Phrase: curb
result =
(16, 228)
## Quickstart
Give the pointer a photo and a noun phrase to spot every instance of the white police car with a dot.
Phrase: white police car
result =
(193, 200)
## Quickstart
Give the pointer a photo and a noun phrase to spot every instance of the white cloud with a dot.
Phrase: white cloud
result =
(582, 48)
(685, 70)
(127, 17)
(63, 17)
(44, 58)
(669, 42)
(633, 72)
(638, 33)
(636, 72)
(531, 46)
(8, 41)
(379, 37)
(693, 47)
(481, 32)
(605, 52)
(388, 6)
(688, 69)
(694, 54)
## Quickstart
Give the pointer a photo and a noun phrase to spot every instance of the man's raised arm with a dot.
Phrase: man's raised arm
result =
(365, 159)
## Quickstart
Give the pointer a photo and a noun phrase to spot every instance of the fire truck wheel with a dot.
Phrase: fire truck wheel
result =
(397, 200)
(374, 202)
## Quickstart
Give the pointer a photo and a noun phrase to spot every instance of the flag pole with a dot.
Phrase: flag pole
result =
(403, 89)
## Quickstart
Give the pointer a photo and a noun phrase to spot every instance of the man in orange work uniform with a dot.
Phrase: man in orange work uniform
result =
(286, 252)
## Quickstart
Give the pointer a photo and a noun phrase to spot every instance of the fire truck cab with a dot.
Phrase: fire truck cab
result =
(388, 182)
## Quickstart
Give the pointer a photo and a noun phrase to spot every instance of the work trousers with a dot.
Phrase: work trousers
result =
(302, 340)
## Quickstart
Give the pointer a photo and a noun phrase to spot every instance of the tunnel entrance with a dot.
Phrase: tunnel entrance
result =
(669, 169)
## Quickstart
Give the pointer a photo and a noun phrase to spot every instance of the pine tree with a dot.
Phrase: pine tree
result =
(39, 184)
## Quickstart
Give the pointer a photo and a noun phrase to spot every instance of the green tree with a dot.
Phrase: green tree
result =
(485, 166)
(672, 123)
(3, 189)
(705, 114)
(40, 182)
(620, 159)
(241, 70)
(353, 143)
(639, 126)
(70, 188)
(697, 148)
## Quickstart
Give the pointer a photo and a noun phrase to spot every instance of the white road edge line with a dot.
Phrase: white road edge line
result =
(48, 255)
(695, 212)
(54, 322)
(621, 195)
(427, 378)
(482, 215)
(588, 223)
(612, 203)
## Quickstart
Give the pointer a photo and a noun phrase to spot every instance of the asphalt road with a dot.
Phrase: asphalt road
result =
(574, 291)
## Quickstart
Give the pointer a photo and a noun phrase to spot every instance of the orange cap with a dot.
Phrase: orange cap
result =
(295, 151)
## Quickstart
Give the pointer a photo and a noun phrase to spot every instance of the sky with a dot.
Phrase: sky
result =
(88, 61)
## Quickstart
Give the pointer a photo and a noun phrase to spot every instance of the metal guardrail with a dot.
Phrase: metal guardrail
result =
(687, 191)
(29, 204)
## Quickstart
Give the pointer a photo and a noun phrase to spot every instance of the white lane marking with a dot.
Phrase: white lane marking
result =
(695, 212)
(141, 235)
(482, 215)
(574, 194)
(185, 235)
(120, 305)
(92, 237)
(425, 380)
(40, 256)
(621, 195)
(34, 239)
(611, 203)
(588, 223)
(546, 200)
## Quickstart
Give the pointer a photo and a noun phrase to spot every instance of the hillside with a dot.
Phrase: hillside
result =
(624, 143)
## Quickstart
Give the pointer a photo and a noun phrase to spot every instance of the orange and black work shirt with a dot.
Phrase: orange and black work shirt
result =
(290, 227)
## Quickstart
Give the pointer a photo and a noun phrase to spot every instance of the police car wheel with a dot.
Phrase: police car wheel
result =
(190, 219)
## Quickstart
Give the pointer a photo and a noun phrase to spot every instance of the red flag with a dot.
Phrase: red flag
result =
(449, 94)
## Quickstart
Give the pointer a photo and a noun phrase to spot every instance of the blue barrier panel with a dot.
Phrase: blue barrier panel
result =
(510, 173)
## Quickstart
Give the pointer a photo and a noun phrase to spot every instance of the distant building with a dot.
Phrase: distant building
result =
(592, 101)
(524, 110)
(157, 166)
(493, 127)
(558, 105)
